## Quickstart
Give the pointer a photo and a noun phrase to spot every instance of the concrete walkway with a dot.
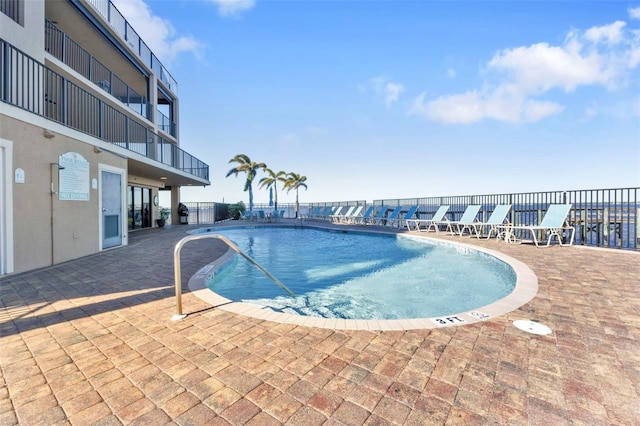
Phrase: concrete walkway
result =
(91, 341)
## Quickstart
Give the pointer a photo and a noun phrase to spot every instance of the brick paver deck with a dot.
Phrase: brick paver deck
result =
(91, 341)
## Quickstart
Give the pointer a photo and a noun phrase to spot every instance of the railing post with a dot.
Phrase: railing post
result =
(177, 270)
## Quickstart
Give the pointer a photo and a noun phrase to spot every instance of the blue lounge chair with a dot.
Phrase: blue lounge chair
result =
(400, 219)
(340, 213)
(465, 223)
(393, 216)
(365, 217)
(324, 214)
(314, 213)
(438, 217)
(351, 217)
(553, 223)
(378, 217)
(495, 221)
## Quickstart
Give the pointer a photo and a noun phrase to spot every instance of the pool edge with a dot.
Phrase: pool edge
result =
(525, 290)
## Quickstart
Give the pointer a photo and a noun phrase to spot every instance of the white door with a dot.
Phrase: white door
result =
(111, 189)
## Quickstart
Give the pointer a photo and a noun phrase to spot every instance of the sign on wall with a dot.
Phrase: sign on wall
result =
(74, 177)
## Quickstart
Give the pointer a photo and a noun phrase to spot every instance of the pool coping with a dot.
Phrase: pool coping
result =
(525, 289)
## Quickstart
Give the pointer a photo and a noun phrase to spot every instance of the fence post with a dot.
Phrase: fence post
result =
(637, 228)
(605, 227)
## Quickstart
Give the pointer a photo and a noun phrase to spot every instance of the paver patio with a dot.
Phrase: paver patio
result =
(91, 341)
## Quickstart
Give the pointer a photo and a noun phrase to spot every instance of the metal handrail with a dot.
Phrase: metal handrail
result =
(177, 275)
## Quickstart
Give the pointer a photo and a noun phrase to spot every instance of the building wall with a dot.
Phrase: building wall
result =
(48, 230)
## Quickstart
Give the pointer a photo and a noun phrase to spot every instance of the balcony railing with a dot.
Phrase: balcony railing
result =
(13, 9)
(65, 49)
(165, 124)
(28, 84)
(111, 14)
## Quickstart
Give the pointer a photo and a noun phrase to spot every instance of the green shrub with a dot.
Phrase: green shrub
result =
(237, 210)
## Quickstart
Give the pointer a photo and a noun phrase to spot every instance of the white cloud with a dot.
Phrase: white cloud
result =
(451, 73)
(601, 56)
(474, 106)
(382, 87)
(233, 7)
(157, 33)
(392, 93)
(611, 34)
(634, 12)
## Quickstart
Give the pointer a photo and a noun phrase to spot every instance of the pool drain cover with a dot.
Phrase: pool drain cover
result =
(532, 327)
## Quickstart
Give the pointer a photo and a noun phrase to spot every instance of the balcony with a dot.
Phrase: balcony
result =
(27, 84)
(66, 50)
(125, 31)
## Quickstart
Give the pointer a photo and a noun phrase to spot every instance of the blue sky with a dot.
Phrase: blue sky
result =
(397, 99)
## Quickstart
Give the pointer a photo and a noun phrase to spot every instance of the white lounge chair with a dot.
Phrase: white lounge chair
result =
(352, 217)
(338, 216)
(465, 223)
(495, 221)
(438, 217)
(554, 223)
(335, 213)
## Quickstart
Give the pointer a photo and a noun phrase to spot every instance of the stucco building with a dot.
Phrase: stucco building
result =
(89, 132)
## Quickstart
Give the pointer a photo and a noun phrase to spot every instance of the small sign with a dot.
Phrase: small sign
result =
(19, 175)
(74, 177)
(94, 183)
(448, 320)
(479, 315)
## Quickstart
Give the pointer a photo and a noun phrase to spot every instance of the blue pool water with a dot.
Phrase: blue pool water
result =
(359, 275)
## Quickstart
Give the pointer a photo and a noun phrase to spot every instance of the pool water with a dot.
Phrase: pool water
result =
(355, 275)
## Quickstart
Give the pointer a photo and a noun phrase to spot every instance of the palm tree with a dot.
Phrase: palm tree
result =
(251, 169)
(271, 181)
(295, 181)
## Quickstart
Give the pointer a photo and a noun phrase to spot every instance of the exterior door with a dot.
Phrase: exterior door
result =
(111, 209)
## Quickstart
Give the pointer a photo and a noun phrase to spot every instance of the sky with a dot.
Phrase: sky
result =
(392, 99)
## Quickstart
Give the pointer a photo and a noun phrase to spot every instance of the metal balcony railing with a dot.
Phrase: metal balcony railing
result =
(65, 49)
(13, 9)
(165, 124)
(25, 83)
(125, 31)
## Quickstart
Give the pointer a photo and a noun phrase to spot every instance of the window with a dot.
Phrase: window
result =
(139, 207)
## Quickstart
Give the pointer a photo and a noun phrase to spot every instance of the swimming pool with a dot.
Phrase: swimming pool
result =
(361, 276)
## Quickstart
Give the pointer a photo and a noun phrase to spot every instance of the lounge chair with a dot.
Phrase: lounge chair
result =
(314, 213)
(395, 213)
(365, 217)
(378, 217)
(336, 212)
(495, 221)
(339, 215)
(325, 213)
(438, 217)
(553, 223)
(465, 223)
(411, 212)
(351, 217)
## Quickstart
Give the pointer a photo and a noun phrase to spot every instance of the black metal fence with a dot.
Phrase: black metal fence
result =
(601, 217)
